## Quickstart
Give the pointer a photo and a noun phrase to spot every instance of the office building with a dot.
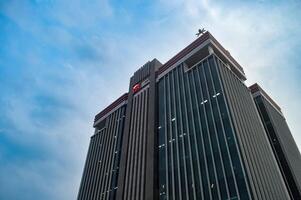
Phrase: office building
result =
(284, 147)
(187, 129)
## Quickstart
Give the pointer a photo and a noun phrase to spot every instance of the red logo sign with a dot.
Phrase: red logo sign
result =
(136, 88)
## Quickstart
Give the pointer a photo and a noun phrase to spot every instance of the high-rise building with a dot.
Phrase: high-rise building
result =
(284, 147)
(187, 129)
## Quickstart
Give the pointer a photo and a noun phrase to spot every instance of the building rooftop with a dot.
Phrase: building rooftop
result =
(205, 40)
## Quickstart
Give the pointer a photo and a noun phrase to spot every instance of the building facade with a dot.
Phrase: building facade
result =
(284, 147)
(191, 131)
(100, 176)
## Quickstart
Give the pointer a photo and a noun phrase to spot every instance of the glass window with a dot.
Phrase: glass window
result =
(161, 132)
(186, 134)
(207, 133)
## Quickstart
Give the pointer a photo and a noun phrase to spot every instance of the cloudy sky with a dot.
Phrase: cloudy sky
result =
(63, 61)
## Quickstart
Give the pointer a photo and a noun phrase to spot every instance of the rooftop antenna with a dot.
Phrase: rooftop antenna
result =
(200, 32)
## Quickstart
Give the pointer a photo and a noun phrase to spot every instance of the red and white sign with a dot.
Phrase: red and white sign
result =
(136, 88)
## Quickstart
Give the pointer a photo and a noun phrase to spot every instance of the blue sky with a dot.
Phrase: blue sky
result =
(63, 61)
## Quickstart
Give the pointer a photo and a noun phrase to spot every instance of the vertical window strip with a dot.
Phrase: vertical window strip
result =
(234, 161)
(223, 186)
(253, 152)
(169, 144)
(144, 149)
(166, 138)
(134, 149)
(191, 181)
(117, 157)
(130, 147)
(175, 139)
(210, 157)
(113, 153)
(142, 143)
(223, 72)
(100, 163)
(194, 127)
(108, 154)
(100, 160)
(225, 153)
(183, 134)
(95, 167)
(228, 133)
(162, 143)
(203, 158)
(140, 147)
(137, 146)
(103, 159)
(97, 173)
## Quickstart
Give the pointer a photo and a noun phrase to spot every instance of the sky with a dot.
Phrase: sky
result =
(61, 62)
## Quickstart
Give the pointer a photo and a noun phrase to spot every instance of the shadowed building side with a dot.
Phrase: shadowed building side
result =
(284, 147)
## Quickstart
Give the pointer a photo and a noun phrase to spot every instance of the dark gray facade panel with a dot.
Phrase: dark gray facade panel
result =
(257, 153)
(284, 147)
(102, 162)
